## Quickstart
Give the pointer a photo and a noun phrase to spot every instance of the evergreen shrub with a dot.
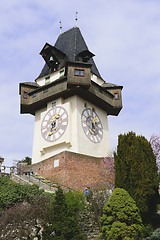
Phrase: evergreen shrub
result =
(63, 222)
(121, 218)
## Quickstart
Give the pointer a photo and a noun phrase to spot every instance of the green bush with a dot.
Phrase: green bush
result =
(11, 192)
(121, 218)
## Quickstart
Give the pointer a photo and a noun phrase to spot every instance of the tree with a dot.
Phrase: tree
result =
(136, 172)
(27, 160)
(63, 224)
(155, 143)
(121, 218)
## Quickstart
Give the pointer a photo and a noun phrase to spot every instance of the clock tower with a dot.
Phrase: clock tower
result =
(71, 104)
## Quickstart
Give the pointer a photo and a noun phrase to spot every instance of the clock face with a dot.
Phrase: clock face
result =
(54, 124)
(92, 125)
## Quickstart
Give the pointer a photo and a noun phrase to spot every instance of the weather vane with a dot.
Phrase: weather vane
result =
(76, 18)
(60, 26)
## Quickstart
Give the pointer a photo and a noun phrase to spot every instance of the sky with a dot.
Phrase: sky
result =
(123, 34)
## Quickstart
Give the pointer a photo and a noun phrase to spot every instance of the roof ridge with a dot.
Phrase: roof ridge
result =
(75, 45)
(66, 32)
(69, 30)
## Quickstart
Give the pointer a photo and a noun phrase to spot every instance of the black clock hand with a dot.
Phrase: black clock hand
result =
(93, 127)
(53, 124)
(94, 122)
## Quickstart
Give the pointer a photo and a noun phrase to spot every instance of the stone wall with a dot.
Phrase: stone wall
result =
(89, 227)
(90, 219)
(74, 170)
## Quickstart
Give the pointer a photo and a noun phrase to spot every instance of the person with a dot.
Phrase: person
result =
(86, 191)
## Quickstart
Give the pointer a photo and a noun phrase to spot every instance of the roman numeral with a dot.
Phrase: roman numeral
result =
(64, 120)
(45, 133)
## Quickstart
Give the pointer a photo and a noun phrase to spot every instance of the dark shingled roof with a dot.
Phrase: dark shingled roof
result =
(44, 72)
(71, 43)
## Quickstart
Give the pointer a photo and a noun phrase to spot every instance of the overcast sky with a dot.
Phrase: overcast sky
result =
(123, 34)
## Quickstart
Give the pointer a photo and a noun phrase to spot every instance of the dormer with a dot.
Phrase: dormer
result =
(53, 57)
(84, 56)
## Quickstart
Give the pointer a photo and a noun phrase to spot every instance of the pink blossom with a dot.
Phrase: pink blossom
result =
(155, 143)
(109, 163)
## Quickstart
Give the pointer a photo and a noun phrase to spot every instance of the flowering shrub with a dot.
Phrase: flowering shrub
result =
(109, 163)
(155, 143)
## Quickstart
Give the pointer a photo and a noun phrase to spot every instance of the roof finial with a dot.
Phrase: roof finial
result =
(76, 18)
(60, 26)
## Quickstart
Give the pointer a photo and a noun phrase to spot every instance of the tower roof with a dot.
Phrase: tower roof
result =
(72, 43)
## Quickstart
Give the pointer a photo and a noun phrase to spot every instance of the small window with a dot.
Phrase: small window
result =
(116, 96)
(47, 80)
(85, 105)
(79, 72)
(25, 94)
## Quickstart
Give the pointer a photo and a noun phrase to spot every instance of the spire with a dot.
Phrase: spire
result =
(60, 26)
(76, 18)
(72, 43)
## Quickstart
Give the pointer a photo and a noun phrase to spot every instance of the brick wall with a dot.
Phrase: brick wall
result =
(75, 170)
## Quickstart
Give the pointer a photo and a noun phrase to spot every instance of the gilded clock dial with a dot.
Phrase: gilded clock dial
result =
(54, 124)
(92, 125)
